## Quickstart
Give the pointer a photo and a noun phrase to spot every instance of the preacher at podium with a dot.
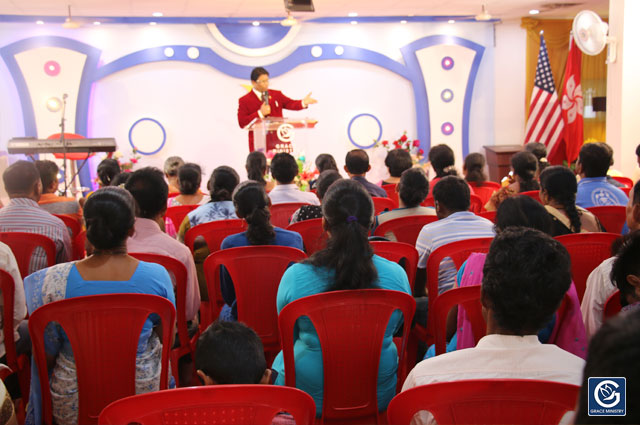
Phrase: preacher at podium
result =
(262, 102)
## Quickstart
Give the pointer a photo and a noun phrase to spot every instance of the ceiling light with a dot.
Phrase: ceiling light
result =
(534, 12)
(40, 22)
(153, 23)
(451, 21)
(289, 21)
(157, 14)
(96, 23)
(354, 22)
(353, 14)
(403, 22)
(54, 104)
(484, 15)
(255, 23)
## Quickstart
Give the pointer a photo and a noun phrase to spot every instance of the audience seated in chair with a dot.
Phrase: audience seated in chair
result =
(252, 204)
(526, 276)
(256, 167)
(107, 170)
(171, 166)
(593, 188)
(473, 170)
(189, 179)
(600, 286)
(109, 215)
(307, 212)
(148, 188)
(558, 194)
(613, 352)
(23, 214)
(524, 166)
(397, 161)
(540, 152)
(284, 169)
(323, 162)
(412, 190)
(357, 166)
(348, 262)
(452, 198)
(51, 202)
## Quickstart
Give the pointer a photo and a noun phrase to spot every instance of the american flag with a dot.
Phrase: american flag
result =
(545, 123)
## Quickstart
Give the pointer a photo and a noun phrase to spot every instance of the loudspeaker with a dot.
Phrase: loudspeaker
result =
(299, 5)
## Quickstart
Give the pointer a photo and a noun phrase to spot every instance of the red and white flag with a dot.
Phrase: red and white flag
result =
(572, 104)
(545, 123)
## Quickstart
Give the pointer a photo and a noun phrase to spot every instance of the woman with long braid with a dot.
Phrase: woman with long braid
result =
(558, 194)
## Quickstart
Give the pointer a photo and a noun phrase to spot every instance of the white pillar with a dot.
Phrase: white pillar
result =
(623, 85)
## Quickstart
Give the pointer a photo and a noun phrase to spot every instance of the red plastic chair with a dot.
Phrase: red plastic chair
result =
(486, 401)
(396, 252)
(612, 217)
(392, 194)
(487, 183)
(587, 251)
(489, 215)
(382, 204)
(626, 190)
(467, 297)
(178, 273)
(224, 404)
(612, 306)
(350, 354)
(485, 191)
(77, 243)
(19, 364)
(624, 180)
(178, 213)
(405, 229)
(173, 194)
(214, 232)
(23, 245)
(256, 272)
(104, 331)
(281, 213)
(535, 194)
(458, 251)
(313, 235)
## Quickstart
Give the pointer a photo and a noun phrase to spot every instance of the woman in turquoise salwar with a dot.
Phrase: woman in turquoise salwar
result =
(348, 262)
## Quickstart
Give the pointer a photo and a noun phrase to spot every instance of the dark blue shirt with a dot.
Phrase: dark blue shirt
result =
(374, 190)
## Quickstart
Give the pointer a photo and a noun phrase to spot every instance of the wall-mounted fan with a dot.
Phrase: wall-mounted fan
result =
(590, 34)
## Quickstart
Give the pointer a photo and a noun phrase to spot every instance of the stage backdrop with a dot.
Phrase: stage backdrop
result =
(172, 89)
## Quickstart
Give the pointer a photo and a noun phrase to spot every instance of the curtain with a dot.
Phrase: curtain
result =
(594, 68)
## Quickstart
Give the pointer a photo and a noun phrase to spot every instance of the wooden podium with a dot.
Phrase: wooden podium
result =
(277, 133)
(499, 160)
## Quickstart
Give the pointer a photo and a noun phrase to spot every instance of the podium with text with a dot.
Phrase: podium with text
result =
(281, 134)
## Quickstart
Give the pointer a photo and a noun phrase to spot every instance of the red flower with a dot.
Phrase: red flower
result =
(403, 138)
(385, 143)
(416, 143)
(134, 161)
(420, 152)
(396, 144)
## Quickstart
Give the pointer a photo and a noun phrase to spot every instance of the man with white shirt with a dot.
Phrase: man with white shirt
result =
(284, 169)
(526, 275)
(262, 102)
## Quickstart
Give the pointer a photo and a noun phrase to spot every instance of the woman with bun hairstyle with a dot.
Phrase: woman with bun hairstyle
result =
(256, 167)
(189, 179)
(348, 262)
(524, 167)
(558, 194)
(252, 204)
(109, 217)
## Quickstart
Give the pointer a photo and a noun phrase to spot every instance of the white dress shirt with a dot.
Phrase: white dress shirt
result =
(291, 193)
(599, 288)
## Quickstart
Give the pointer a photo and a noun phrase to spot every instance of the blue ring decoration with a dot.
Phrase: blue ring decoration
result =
(447, 63)
(164, 136)
(349, 130)
(445, 93)
(419, 87)
(252, 37)
(444, 127)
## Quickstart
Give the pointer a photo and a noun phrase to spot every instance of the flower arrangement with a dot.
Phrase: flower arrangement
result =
(403, 142)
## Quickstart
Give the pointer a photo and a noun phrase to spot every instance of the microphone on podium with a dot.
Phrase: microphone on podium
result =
(265, 97)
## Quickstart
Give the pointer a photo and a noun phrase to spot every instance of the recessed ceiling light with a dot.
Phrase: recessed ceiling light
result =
(40, 22)
(451, 21)
(534, 12)
(153, 23)
(354, 22)
(255, 23)
(157, 14)
(353, 14)
(96, 23)
(403, 22)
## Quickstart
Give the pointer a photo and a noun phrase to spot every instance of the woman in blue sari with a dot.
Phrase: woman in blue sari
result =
(109, 216)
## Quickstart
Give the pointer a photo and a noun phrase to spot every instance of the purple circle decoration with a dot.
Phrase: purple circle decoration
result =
(447, 128)
(52, 68)
(447, 63)
(446, 95)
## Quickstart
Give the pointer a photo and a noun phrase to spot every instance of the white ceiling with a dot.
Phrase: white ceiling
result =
(500, 9)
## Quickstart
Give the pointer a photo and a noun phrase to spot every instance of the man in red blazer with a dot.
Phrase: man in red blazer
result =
(262, 102)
